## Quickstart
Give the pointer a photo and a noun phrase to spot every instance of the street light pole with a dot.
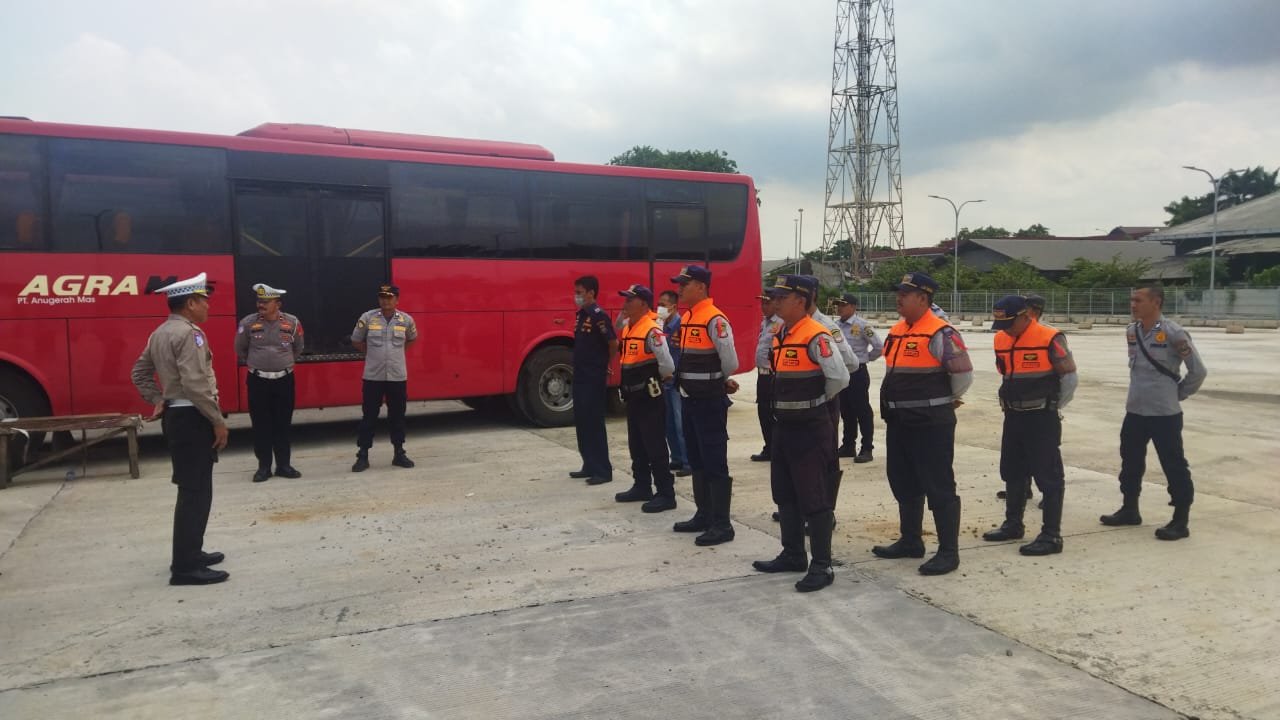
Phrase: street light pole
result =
(799, 237)
(955, 275)
(795, 223)
(1213, 242)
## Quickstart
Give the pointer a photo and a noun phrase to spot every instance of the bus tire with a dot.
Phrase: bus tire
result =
(21, 396)
(544, 394)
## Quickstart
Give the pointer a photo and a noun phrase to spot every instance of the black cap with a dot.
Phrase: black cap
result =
(639, 291)
(787, 284)
(1006, 310)
(693, 272)
(918, 281)
(393, 290)
(848, 299)
(1035, 302)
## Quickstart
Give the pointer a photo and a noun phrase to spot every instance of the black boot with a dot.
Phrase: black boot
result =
(362, 461)
(947, 521)
(820, 574)
(793, 557)
(721, 529)
(1126, 515)
(638, 493)
(1049, 541)
(1015, 504)
(910, 525)
(262, 474)
(400, 459)
(699, 522)
(1177, 527)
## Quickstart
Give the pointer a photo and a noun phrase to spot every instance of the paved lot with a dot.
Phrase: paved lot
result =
(485, 583)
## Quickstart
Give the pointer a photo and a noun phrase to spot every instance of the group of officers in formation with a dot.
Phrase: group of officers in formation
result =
(676, 378)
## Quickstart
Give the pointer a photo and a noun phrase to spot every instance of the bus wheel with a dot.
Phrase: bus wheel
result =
(20, 397)
(545, 392)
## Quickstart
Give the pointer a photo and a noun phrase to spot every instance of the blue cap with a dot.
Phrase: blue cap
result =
(693, 272)
(918, 281)
(392, 290)
(1035, 302)
(1006, 310)
(847, 299)
(639, 291)
(787, 284)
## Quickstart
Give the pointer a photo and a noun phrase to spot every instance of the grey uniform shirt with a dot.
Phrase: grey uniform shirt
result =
(862, 338)
(178, 353)
(270, 346)
(764, 344)
(949, 348)
(834, 370)
(1150, 391)
(722, 338)
(386, 339)
(655, 342)
(846, 352)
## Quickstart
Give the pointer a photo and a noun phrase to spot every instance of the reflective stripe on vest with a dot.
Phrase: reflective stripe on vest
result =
(699, 373)
(638, 364)
(914, 378)
(799, 386)
(1030, 382)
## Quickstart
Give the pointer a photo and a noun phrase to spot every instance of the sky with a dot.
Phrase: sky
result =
(1076, 115)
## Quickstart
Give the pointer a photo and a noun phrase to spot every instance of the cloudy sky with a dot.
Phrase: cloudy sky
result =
(1076, 115)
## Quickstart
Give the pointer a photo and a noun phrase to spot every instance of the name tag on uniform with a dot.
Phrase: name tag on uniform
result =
(375, 326)
(398, 331)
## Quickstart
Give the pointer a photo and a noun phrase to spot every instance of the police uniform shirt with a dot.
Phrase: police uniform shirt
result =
(764, 344)
(592, 332)
(837, 335)
(386, 340)
(269, 346)
(178, 354)
(862, 338)
(1150, 391)
(656, 343)
(948, 347)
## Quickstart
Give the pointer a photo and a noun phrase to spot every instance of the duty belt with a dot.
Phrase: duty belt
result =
(634, 388)
(179, 403)
(1026, 405)
(701, 376)
(908, 404)
(271, 375)
(800, 404)
(765, 371)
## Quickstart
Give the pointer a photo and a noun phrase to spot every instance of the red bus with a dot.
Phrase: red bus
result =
(483, 238)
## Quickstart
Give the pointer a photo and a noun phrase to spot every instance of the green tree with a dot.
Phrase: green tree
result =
(990, 231)
(1199, 269)
(1014, 275)
(1116, 273)
(1240, 186)
(1036, 230)
(889, 272)
(1266, 278)
(945, 273)
(703, 160)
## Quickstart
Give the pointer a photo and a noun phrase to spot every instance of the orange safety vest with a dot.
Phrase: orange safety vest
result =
(638, 364)
(1030, 382)
(799, 385)
(914, 378)
(699, 373)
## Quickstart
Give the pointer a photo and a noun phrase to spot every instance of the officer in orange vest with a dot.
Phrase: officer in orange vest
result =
(703, 376)
(646, 364)
(808, 375)
(1039, 378)
(927, 371)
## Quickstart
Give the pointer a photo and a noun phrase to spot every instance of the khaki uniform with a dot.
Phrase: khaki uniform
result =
(178, 353)
(270, 346)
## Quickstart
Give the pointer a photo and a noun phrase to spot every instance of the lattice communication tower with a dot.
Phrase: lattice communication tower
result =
(864, 176)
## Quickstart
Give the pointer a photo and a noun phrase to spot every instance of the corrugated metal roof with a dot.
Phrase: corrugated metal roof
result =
(1056, 254)
(1259, 216)
(1243, 246)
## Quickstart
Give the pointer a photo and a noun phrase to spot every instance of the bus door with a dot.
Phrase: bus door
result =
(325, 246)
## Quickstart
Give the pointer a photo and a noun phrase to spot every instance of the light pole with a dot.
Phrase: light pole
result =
(1213, 242)
(955, 276)
(795, 225)
(799, 237)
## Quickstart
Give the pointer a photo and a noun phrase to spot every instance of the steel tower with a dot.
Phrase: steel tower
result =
(864, 176)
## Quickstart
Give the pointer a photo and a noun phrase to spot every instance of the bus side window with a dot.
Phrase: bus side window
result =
(22, 183)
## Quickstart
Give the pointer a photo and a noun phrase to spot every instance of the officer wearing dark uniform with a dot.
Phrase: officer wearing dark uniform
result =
(1035, 308)
(808, 373)
(186, 400)
(646, 363)
(855, 401)
(927, 371)
(707, 360)
(594, 343)
(1039, 379)
(269, 342)
(383, 335)
(769, 326)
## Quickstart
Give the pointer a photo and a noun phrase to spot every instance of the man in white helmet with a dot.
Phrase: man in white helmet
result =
(269, 341)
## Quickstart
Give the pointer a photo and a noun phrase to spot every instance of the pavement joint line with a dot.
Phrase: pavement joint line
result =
(18, 535)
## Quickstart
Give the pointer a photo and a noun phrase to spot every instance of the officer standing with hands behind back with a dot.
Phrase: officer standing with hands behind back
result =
(269, 342)
(383, 335)
(594, 343)
(855, 401)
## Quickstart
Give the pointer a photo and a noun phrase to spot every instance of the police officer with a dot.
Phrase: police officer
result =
(1039, 379)
(269, 342)
(383, 335)
(808, 373)
(707, 360)
(855, 400)
(927, 370)
(670, 319)
(594, 343)
(186, 400)
(645, 365)
(834, 473)
(1035, 308)
(938, 311)
(769, 326)
(1158, 349)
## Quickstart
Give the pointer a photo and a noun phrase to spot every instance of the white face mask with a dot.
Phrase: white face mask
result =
(579, 301)
(663, 313)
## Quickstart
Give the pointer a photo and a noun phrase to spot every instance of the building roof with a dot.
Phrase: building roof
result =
(1133, 232)
(1259, 216)
(1244, 246)
(1170, 268)
(1056, 254)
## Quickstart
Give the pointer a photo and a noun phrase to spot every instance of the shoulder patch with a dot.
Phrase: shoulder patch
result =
(199, 339)
(722, 328)
(824, 347)
(868, 331)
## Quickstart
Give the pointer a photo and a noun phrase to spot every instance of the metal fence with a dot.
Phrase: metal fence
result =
(1239, 303)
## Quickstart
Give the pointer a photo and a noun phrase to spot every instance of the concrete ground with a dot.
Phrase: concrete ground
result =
(485, 583)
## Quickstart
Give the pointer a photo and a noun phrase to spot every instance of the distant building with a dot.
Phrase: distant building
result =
(1052, 257)
(1248, 235)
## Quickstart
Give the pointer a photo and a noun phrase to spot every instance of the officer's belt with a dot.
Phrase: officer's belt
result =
(799, 404)
(765, 371)
(701, 376)
(908, 404)
(178, 403)
(1025, 405)
(271, 375)
(635, 388)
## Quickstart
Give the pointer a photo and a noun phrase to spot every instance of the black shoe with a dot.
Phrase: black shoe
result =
(685, 471)
(847, 451)
(901, 548)
(593, 480)
(943, 562)
(402, 460)
(637, 493)
(714, 536)
(261, 475)
(211, 558)
(1005, 532)
(659, 503)
(1042, 545)
(697, 523)
(783, 563)
(361, 464)
(288, 471)
(863, 457)
(762, 456)
(1126, 515)
(674, 466)
(817, 578)
(1172, 532)
(199, 576)
(579, 474)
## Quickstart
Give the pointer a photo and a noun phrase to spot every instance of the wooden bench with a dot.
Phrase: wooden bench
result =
(114, 424)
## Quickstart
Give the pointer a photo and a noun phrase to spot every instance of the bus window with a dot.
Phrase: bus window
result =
(351, 227)
(272, 223)
(678, 232)
(137, 197)
(21, 194)
(457, 212)
(726, 219)
(586, 217)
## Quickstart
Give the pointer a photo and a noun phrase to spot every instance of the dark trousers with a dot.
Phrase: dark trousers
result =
(1029, 448)
(855, 411)
(189, 435)
(799, 473)
(590, 398)
(919, 462)
(764, 408)
(647, 439)
(706, 437)
(675, 425)
(375, 392)
(1165, 431)
(271, 411)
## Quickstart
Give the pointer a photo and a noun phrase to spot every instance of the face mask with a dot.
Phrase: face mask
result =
(579, 301)
(663, 312)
